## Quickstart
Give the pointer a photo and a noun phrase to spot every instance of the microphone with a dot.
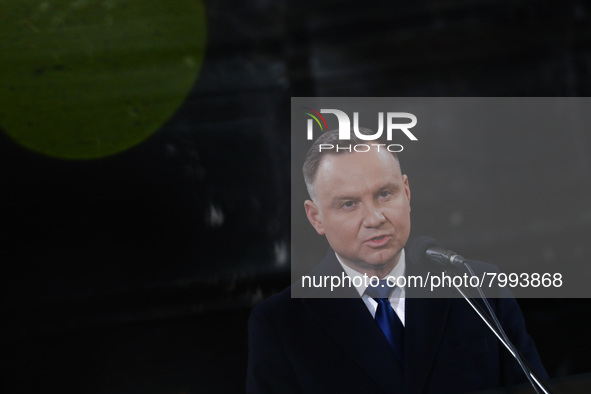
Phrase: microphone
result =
(430, 248)
(422, 247)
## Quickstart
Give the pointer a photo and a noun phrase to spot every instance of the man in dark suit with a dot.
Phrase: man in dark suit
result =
(334, 339)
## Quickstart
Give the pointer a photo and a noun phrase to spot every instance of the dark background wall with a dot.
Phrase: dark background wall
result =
(136, 272)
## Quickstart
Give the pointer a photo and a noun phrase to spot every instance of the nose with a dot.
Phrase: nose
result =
(373, 216)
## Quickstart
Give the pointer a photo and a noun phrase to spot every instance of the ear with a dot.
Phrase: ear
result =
(406, 187)
(314, 216)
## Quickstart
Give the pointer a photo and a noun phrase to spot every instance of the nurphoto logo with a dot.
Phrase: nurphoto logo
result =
(392, 124)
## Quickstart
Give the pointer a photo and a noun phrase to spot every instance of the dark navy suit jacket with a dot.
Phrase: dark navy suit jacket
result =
(333, 345)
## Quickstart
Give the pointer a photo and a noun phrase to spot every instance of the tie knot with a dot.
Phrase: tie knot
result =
(381, 290)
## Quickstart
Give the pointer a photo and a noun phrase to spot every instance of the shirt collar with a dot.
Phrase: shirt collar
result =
(398, 270)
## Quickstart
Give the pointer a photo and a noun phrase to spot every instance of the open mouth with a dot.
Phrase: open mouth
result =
(378, 241)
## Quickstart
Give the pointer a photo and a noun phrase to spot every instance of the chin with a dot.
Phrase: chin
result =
(381, 261)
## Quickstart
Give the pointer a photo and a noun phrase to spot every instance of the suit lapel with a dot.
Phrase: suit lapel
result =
(426, 319)
(347, 320)
(350, 324)
(425, 325)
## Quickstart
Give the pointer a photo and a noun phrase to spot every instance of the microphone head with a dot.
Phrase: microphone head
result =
(417, 248)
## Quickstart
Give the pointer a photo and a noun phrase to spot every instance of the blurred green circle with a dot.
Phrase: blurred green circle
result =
(85, 79)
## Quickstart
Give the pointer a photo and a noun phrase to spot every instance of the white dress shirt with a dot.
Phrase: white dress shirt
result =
(396, 298)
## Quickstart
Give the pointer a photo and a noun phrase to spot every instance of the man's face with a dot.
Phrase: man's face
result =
(363, 208)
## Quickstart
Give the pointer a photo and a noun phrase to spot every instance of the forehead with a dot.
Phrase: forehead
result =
(358, 168)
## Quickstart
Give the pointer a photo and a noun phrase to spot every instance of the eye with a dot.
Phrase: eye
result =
(348, 204)
(384, 194)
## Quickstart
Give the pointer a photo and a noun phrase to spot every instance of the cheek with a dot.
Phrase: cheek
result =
(343, 230)
(400, 217)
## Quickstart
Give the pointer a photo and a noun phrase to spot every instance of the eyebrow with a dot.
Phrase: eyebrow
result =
(389, 185)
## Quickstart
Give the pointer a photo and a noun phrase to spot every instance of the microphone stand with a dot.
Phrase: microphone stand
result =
(497, 329)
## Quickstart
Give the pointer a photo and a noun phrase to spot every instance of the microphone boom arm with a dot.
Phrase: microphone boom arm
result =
(534, 380)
